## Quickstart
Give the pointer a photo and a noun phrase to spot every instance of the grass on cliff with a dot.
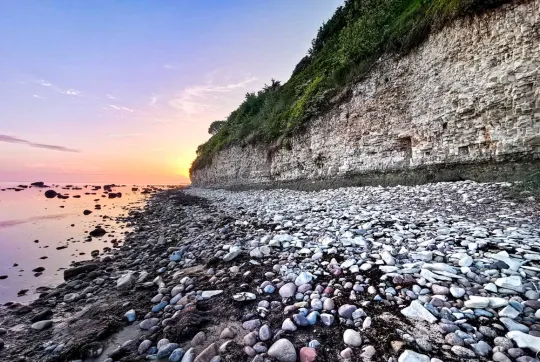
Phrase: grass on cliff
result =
(344, 50)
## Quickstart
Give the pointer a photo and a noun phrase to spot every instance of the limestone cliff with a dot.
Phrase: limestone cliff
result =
(465, 103)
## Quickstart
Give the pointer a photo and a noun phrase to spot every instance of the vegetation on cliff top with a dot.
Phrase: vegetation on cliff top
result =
(343, 51)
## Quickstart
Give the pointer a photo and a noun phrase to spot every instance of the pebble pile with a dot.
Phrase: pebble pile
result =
(439, 272)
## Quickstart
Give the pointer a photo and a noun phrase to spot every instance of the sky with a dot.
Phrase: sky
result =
(124, 91)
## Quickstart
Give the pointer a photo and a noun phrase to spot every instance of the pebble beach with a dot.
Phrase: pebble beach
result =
(437, 272)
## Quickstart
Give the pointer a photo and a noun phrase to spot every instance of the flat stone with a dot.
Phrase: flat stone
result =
(508, 312)
(244, 296)
(38, 326)
(418, 312)
(477, 302)
(232, 255)
(207, 294)
(440, 267)
(512, 325)
(411, 356)
(513, 264)
(432, 277)
(497, 302)
(524, 340)
(512, 282)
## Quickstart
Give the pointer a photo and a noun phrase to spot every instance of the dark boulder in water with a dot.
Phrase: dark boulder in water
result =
(97, 232)
(38, 269)
(50, 194)
(38, 184)
(73, 272)
(87, 212)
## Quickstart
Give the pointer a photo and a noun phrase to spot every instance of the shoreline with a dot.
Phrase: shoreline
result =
(222, 263)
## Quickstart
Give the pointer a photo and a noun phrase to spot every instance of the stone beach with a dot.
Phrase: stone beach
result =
(437, 272)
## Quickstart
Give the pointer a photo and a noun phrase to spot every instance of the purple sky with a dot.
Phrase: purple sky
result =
(124, 91)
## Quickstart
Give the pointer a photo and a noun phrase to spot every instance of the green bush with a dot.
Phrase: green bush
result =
(532, 184)
(344, 50)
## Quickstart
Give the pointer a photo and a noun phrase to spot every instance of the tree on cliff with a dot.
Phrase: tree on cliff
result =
(215, 127)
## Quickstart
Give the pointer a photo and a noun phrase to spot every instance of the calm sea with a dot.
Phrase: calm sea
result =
(28, 216)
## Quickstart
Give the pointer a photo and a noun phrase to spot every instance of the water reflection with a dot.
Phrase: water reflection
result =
(50, 233)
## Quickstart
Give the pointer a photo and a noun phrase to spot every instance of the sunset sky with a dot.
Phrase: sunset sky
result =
(124, 91)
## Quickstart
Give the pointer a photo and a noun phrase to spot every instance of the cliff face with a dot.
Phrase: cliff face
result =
(467, 99)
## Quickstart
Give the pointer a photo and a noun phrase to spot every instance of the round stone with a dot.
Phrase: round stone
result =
(346, 310)
(265, 333)
(457, 292)
(463, 352)
(308, 354)
(283, 350)
(288, 290)
(352, 338)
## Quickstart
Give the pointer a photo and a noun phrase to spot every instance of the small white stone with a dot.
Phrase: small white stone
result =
(466, 261)
(411, 356)
(352, 338)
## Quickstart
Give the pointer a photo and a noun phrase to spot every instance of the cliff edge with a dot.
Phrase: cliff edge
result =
(465, 103)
